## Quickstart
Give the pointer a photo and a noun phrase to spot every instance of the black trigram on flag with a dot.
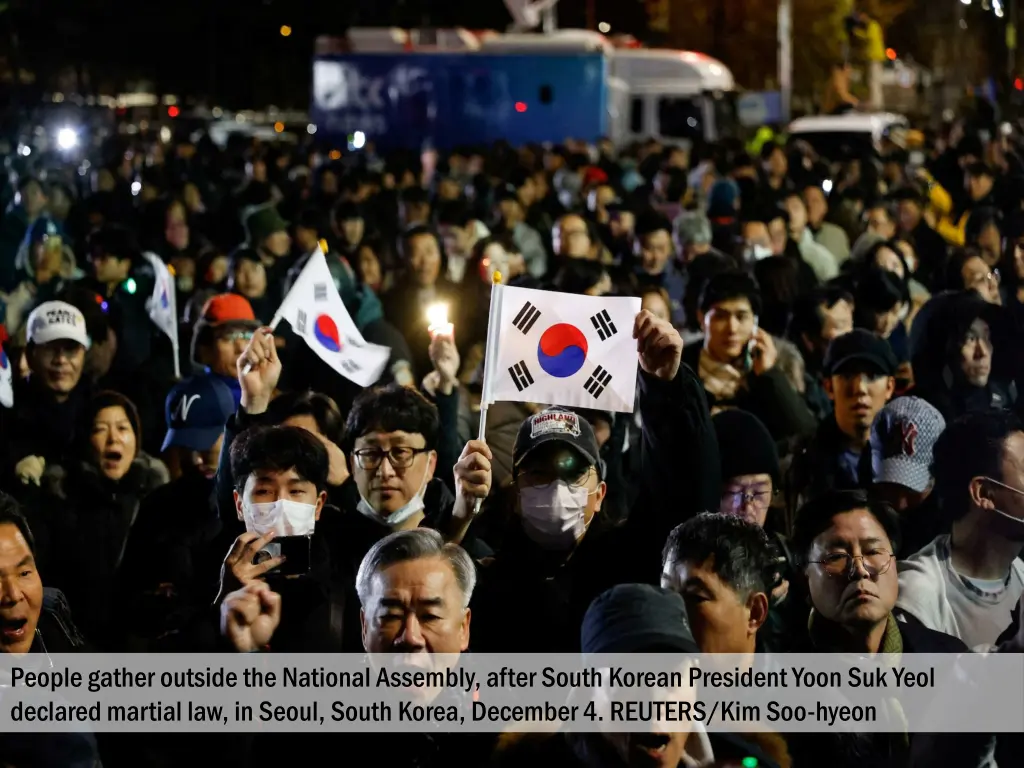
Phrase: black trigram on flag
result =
(320, 292)
(597, 382)
(300, 322)
(527, 316)
(521, 376)
(349, 367)
(603, 325)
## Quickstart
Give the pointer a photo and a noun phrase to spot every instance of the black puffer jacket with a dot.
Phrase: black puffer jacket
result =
(87, 519)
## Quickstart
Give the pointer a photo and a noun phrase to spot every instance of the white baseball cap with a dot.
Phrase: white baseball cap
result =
(54, 320)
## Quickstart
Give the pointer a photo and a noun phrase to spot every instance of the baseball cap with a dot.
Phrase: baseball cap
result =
(196, 410)
(55, 320)
(860, 346)
(637, 618)
(227, 308)
(902, 440)
(557, 424)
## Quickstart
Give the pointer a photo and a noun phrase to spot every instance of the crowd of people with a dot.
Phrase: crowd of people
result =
(826, 453)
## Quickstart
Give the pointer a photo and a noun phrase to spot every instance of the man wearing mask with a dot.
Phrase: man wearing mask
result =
(968, 582)
(557, 549)
(860, 371)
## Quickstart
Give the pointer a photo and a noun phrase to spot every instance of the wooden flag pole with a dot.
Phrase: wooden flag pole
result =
(481, 433)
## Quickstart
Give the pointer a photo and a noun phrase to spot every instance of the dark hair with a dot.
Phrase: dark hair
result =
(415, 196)
(113, 240)
(279, 449)
(971, 446)
(578, 276)
(11, 514)
(650, 223)
(90, 304)
(322, 409)
(807, 317)
(310, 218)
(455, 213)
(816, 516)
(390, 409)
(741, 550)
(979, 219)
(879, 291)
(419, 231)
(954, 267)
(730, 285)
(883, 205)
(110, 399)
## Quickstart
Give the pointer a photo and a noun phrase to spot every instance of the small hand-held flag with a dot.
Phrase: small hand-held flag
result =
(6, 381)
(316, 312)
(561, 349)
(162, 306)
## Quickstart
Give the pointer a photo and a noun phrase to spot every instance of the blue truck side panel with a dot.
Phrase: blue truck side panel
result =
(443, 100)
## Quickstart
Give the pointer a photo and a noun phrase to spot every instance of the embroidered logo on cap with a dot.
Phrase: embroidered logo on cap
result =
(902, 440)
(552, 422)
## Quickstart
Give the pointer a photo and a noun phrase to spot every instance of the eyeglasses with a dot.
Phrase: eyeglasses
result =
(992, 278)
(236, 336)
(737, 499)
(400, 457)
(875, 562)
(538, 478)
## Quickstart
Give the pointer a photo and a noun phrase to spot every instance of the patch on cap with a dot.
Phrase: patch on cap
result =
(901, 440)
(555, 422)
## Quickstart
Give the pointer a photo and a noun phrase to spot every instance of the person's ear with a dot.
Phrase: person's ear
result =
(431, 465)
(599, 494)
(827, 383)
(320, 501)
(981, 493)
(890, 387)
(238, 505)
(757, 607)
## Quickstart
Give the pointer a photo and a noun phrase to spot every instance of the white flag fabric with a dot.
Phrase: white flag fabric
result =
(6, 381)
(316, 312)
(162, 306)
(561, 349)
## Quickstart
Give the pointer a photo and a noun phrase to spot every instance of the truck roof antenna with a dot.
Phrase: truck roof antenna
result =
(527, 15)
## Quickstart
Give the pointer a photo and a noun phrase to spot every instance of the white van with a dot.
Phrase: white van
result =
(850, 135)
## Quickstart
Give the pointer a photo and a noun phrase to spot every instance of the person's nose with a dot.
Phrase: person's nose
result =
(859, 384)
(979, 351)
(386, 469)
(411, 636)
(10, 592)
(858, 570)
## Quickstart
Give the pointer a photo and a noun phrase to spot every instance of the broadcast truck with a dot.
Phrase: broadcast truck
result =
(416, 89)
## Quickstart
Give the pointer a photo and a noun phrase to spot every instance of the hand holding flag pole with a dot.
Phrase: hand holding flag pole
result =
(493, 326)
(273, 327)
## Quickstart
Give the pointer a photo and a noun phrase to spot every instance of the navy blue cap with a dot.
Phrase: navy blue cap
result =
(196, 410)
(637, 618)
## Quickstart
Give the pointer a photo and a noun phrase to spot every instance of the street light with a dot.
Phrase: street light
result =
(286, 31)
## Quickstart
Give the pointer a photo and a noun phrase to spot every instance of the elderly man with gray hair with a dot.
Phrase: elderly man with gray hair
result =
(413, 587)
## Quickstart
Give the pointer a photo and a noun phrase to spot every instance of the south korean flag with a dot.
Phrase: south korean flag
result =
(561, 349)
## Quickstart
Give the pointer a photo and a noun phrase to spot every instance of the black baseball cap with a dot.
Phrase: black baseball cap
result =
(860, 346)
(637, 618)
(557, 424)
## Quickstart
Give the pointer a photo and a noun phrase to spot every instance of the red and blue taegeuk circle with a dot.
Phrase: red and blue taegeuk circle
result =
(562, 350)
(326, 332)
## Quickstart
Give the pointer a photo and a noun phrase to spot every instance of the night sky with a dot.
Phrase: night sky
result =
(229, 50)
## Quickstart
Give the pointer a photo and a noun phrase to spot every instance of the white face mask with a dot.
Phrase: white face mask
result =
(399, 516)
(553, 514)
(282, 517)
(758, 252)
